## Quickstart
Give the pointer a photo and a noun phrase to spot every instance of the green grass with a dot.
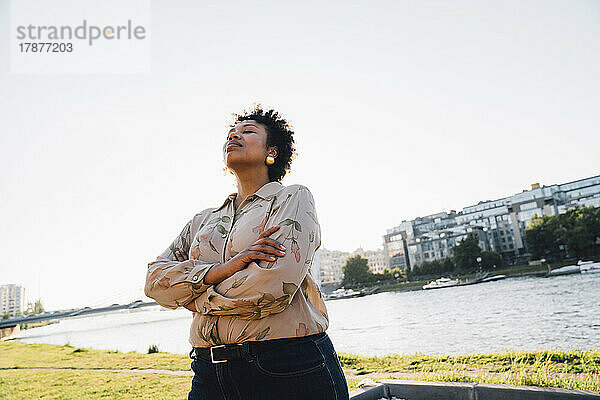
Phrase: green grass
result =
(28, 371)
(401, 286)
(34, 325)
(565, 369)
(520, 269)
(22, 355)
(74, 384)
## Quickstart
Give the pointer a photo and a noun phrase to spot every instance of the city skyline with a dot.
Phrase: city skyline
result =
(500, 225)
(432, 237)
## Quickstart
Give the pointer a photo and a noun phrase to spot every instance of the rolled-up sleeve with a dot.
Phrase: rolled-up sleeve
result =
(175, 283)
(266, 288)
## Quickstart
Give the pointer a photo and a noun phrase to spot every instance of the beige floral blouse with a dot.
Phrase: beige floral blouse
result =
(266, 300)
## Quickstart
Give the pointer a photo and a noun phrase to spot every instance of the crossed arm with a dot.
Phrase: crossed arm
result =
(263, 286)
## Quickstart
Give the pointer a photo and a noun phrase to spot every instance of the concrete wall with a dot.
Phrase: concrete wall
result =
(6, 332)
(420, 390)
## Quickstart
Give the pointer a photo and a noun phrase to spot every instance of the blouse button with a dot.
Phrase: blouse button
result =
(224, 235)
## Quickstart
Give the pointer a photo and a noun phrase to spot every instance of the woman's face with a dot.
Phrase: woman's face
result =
(251, 149)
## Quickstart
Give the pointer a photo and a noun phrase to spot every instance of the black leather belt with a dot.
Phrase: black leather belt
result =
(221, 353)
(243, 351)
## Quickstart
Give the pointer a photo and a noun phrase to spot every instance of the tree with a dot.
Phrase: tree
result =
(543, 238)
(577, 230)
(580, 230)
(35, 308)
(410, 273)
(466, 252)
(489, 259)
(386, 276)
(397, 273)
(434, 267)
(356, 271)
(426, 268)
(448, 265)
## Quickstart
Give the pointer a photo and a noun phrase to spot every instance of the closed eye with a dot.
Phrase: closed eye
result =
(246, 131)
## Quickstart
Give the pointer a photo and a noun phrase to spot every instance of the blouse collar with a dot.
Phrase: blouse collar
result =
(266, 190)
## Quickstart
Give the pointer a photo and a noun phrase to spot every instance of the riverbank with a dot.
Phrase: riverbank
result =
(51, 371)
(513, 272)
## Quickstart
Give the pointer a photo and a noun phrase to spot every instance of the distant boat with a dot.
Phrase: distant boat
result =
(441, 283)
(342, 293)
(479, 277)
(589, 267)
(569, 269)
(493, 278)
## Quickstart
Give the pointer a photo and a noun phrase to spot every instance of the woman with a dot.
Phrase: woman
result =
(244, 270)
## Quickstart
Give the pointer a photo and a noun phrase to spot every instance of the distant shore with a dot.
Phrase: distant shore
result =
(33, 370)
(514, 272)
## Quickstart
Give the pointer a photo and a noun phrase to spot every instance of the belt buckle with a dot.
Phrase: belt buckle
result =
(212, 355)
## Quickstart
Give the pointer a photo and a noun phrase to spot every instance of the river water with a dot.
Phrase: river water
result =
(514, 314)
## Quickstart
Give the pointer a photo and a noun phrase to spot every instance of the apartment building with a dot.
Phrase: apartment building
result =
(331, 262)
(499, 224)
(377, 261)
(12, 299)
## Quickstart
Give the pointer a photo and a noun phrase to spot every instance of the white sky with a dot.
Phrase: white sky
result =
(401, 109)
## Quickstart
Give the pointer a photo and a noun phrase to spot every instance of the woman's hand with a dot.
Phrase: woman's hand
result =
(264, 248)
(180, 255)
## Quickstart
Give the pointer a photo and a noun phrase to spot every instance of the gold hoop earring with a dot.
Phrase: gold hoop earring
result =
(270, 160)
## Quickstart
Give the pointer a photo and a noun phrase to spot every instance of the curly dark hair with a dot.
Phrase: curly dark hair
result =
(279, 134)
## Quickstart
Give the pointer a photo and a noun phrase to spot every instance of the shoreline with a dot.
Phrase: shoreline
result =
(28, 370)
(516, 272)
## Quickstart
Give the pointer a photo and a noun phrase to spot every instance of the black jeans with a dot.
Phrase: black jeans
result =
(303, 368)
